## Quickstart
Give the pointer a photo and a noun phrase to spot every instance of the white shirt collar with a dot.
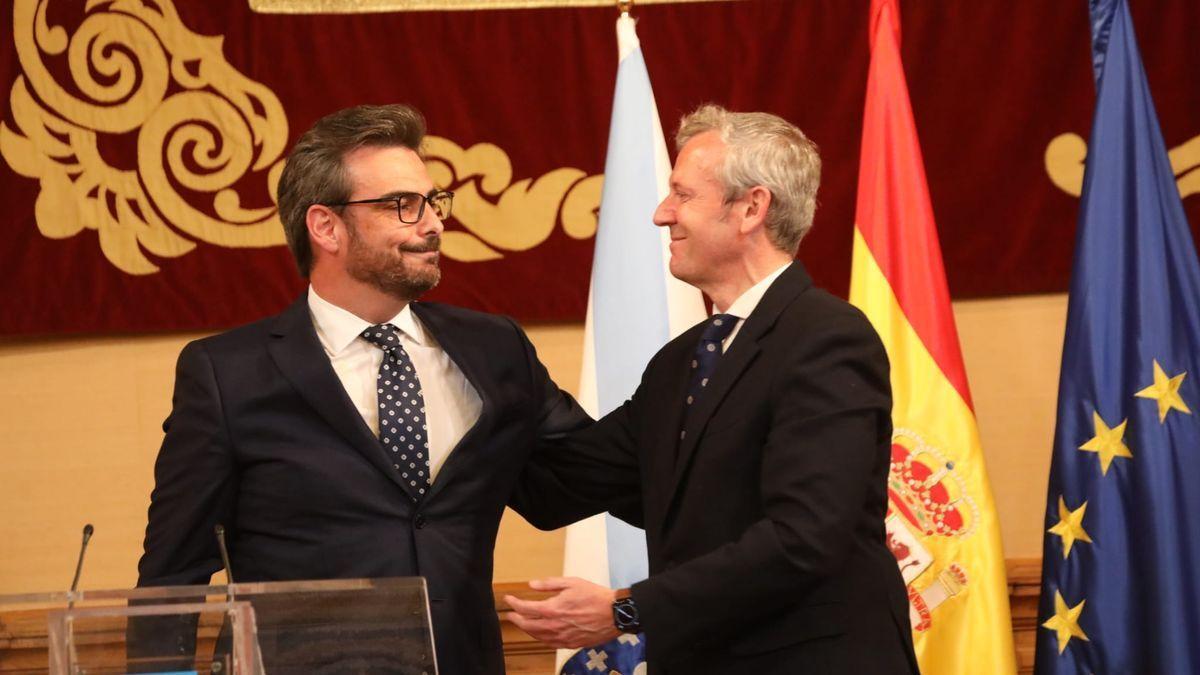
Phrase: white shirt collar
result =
(337, 328)
(747, 301)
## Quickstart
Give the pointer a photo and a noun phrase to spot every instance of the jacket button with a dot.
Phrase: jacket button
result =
(419, 521)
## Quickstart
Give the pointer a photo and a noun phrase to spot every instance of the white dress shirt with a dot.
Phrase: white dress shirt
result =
(746, 302)
(452, 405)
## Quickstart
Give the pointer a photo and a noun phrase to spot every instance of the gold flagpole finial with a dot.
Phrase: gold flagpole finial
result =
(624, 6)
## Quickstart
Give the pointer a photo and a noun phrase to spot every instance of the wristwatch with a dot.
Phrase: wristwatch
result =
(626, 617)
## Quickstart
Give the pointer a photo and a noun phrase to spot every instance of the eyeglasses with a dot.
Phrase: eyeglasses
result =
(410, 206)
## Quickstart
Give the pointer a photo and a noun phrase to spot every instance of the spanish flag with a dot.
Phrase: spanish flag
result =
(941, 522)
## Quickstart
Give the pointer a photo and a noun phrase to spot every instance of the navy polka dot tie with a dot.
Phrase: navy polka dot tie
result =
(704, 363)
(402, 431)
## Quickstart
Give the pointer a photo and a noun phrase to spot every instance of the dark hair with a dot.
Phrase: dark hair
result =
(315, 174)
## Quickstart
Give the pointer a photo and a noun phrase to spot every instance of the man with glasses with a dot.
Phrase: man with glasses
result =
(360, 433)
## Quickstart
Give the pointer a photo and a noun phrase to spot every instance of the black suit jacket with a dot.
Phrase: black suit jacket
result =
(264, 439)
(765, 524)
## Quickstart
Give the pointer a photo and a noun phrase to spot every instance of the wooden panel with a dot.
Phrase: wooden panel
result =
(1024, 589)
(23, 633)
(523, 655)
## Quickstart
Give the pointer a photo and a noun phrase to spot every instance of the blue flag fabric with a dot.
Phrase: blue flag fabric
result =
(625, 655)
(1121, 561)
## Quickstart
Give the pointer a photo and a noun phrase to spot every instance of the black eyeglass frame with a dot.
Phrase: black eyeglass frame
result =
(426, 199)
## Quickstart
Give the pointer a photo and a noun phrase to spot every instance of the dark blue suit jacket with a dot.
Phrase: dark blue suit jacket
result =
(263, 439)
(765, 525)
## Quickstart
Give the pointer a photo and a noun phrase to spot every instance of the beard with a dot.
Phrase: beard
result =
(387, 271)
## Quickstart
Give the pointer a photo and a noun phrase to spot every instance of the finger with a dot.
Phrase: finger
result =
(550, 632)
(529, 608)
(522, 606)
(522, 620)
(517, 620)
(524, 623)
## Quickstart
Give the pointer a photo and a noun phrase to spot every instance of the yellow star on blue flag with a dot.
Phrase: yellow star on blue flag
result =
(1165, 392)
(1133, 335)
(1107, 443)
(1070, 526)
(1065, 622)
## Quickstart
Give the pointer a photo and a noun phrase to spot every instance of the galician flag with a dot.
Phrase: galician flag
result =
(941, 522)
(634, 307)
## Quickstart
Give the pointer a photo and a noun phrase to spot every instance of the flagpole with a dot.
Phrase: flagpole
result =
(634, 307)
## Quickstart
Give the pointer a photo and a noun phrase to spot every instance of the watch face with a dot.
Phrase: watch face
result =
(626, 614)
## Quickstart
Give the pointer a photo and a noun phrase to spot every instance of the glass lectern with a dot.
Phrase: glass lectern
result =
(332, 626)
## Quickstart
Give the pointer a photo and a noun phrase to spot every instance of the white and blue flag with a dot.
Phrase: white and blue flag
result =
(634, 307)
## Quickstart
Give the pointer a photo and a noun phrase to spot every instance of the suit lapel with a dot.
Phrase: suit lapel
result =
(301, 359)
(471, 360)
(744, 350)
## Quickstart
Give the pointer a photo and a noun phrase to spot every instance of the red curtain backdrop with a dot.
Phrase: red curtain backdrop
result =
(992, 84)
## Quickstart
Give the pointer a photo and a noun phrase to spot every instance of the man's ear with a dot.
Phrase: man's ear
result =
(754, 208)
(324, 228)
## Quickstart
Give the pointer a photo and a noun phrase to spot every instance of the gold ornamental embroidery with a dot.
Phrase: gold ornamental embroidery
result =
(1065, 155)
(197, 142)
(498, 213)
(372, 6)
(216, 137)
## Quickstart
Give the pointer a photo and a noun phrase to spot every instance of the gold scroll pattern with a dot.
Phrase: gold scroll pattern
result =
(204, 133)
(522, 215)
(370, 6)
(1066, 153)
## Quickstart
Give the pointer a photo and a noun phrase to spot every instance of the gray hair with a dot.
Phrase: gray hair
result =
(315, 174)
(767, 150)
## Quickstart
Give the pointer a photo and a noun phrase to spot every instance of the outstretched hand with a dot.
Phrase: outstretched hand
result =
(579, 615)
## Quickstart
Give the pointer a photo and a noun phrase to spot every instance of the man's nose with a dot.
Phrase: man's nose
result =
(430, 223)
(664, 215)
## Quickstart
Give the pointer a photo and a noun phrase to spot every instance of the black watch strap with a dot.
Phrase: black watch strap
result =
(626, 617)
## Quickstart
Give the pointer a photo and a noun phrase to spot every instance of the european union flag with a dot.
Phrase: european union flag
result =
(1121, 565)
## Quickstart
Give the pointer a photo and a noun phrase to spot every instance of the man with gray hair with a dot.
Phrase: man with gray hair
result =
(360, 433)
(759, 442)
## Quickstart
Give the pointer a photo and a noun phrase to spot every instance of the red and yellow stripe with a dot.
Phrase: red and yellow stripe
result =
(898, 280)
